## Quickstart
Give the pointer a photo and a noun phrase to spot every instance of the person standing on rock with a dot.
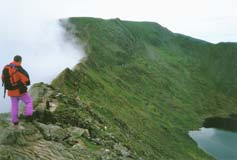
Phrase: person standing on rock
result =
(15, 80)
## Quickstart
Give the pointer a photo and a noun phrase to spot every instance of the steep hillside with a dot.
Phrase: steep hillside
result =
(151, 86)
(222, 67)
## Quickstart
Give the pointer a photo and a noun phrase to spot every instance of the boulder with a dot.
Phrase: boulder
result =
(19, 135)
(52, 132)
(122, 150)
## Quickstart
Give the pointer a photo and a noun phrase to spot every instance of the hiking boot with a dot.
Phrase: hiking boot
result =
(28, 118)
(17, 126)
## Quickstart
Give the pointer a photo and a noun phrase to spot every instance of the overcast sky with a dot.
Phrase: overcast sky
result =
(211, 20)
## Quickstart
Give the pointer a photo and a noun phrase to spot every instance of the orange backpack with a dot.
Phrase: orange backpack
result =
(12, 77)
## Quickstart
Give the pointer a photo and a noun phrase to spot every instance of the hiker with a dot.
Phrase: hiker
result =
(15, 80)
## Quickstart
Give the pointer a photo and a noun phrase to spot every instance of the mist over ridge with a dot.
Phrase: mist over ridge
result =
(38, 36)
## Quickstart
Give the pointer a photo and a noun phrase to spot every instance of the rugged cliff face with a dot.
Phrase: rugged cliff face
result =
(136, 96)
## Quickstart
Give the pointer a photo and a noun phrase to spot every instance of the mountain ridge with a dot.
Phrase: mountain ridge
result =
(139, 92)
(123, 56)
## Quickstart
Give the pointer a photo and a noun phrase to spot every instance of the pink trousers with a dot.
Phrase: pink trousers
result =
(26, 99)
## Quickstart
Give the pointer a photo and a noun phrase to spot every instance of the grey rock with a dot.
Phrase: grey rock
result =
(75, 135)
(80, 145)
(20, 135)
(52, 132)
(122, 150)
(78, 132)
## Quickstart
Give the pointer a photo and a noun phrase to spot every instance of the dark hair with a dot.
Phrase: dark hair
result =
(17, 58)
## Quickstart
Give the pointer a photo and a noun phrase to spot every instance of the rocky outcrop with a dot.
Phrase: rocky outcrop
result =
(27, 143)
(50, 136)
(45, 97)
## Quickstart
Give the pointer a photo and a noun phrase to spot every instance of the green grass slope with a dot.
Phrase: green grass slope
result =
(151, 86)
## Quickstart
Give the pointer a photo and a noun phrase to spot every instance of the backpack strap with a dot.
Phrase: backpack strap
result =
(5, 90)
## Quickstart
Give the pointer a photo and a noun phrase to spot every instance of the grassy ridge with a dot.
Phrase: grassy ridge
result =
(151, 86)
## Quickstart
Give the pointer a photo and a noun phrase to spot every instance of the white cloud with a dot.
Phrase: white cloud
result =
(32, 30)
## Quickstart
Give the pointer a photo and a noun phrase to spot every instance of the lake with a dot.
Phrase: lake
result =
(220, 144)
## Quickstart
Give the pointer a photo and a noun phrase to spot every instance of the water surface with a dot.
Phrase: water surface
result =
(220, 144)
